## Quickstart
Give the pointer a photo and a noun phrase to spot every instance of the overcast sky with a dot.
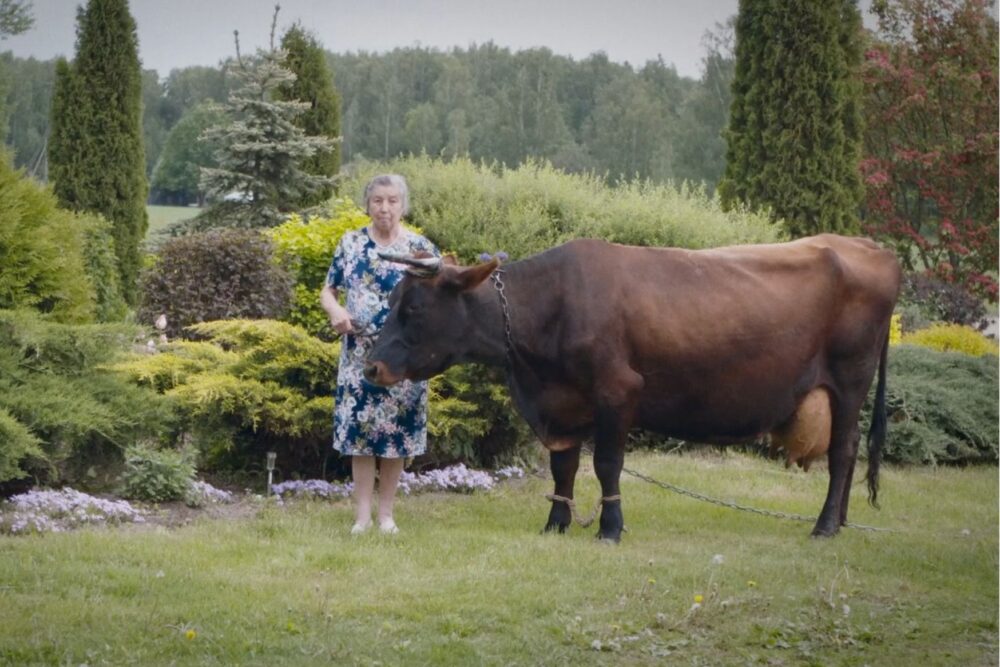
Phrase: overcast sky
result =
(180, 33)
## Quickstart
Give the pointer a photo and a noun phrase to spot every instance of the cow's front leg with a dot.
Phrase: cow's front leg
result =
(564, 464)
(609, 455)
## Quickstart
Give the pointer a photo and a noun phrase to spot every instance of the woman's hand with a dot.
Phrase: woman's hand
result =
(340, 319)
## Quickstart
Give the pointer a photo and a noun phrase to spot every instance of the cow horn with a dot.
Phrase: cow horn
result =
(422, 266)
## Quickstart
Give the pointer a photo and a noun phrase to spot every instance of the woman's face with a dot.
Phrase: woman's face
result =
(385, 207)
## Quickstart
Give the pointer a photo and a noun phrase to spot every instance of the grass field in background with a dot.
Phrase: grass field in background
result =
(470, 580)
(162, 216)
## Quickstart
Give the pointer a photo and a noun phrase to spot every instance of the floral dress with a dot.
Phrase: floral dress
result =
(369, 420)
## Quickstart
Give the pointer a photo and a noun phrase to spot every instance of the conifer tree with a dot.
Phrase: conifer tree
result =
(794, 137)
(313, 84)
(96, 158)
(260, 150)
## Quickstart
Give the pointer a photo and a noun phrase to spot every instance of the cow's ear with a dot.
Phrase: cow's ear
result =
(468, 277)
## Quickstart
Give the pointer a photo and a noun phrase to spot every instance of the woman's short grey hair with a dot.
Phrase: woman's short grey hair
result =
(394, 180)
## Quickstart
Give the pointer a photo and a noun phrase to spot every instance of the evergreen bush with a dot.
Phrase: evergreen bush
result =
(64, 416)
(41, 263)
(248, 387)
(942, 407)
(222, 274)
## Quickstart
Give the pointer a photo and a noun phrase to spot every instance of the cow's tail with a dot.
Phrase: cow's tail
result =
(876, 434)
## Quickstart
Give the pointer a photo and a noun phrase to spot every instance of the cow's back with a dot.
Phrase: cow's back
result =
(708, 329)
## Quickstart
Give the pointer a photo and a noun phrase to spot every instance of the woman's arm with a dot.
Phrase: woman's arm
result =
(340, 319)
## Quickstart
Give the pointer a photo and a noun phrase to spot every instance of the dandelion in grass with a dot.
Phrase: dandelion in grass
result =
(699, 598)
(190, 634)
(751, 584)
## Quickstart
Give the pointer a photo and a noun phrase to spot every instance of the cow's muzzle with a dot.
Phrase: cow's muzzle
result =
(378, 373)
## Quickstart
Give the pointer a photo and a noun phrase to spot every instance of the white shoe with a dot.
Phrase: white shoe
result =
(388, 527)
(360, 528)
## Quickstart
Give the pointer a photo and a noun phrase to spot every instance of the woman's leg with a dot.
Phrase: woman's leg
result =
(388, 480)
(363, 472)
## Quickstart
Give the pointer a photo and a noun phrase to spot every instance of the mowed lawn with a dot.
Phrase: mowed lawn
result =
(161, 217)
(470, 581)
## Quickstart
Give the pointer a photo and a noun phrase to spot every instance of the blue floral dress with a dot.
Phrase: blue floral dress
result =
(369, 420)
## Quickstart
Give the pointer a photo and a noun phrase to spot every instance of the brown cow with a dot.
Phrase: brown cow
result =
(717, 345)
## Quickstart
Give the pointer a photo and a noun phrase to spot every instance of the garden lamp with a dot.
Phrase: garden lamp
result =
(271, 456)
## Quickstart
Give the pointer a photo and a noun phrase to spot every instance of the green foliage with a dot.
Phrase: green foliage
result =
(246, 388)
(156, 475)
(942, 407)
(471, 419)
(178, 171)
(945, 337)
(54, 383)
(96, 157)
(468, 209)
(214, 275)
(794, 138)
(17, 443)
(102, 267)
(308, 247)
(260, 150)
(304, 57)
(41, 264)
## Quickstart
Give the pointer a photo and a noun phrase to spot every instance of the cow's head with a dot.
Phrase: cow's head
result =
(429, 324)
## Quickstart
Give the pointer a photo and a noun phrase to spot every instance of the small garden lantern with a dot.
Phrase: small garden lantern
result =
(271, 457)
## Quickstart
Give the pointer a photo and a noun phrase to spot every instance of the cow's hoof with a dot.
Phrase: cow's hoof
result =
(555, 528)
(609, 539)
(825, 532)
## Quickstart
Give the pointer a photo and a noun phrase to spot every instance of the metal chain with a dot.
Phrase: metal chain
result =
(497, 278)
(736, 506)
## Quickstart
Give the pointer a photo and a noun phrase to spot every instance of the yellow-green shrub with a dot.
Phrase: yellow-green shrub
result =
(952, 338)
(307, 246)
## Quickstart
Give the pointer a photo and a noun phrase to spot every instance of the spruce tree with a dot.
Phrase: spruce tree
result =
(313, 84)
(260, 150)
(97, 159)
(794, 137)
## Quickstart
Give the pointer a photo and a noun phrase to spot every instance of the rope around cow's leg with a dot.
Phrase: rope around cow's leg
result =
(583, 523)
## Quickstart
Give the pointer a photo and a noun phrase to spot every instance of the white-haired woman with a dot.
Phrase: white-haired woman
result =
(373, 423)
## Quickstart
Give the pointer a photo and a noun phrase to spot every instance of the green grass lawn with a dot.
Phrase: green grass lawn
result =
(470, 580)
(162, 216)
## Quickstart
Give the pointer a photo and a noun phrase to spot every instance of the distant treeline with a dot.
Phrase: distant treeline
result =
(484, 102)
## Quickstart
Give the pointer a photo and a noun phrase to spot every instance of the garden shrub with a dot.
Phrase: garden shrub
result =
(942, 407)
(63, 413)
(926, 299)
(156, 475)
(469, 208)
(952, 338)
(471, 419)
(41, 263)
(307, 247)
(216, 275)
(247, 388)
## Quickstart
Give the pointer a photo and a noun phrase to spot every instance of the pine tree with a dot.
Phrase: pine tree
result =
(313, 84)
(97, 159)
(794, 137)
(261, 151)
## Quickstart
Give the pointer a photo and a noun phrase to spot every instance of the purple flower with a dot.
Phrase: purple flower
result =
(502, 256)
(485, 257)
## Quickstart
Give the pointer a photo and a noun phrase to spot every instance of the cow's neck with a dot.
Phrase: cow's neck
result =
(519, 286)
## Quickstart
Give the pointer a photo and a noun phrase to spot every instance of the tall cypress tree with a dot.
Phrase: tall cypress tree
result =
(313, 84)
(794, 137)
(96, 158)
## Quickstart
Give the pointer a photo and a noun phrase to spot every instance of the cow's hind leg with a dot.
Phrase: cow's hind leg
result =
(564, 464)
(842, 456)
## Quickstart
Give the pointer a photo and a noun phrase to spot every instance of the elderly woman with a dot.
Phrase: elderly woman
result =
(370, 422)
